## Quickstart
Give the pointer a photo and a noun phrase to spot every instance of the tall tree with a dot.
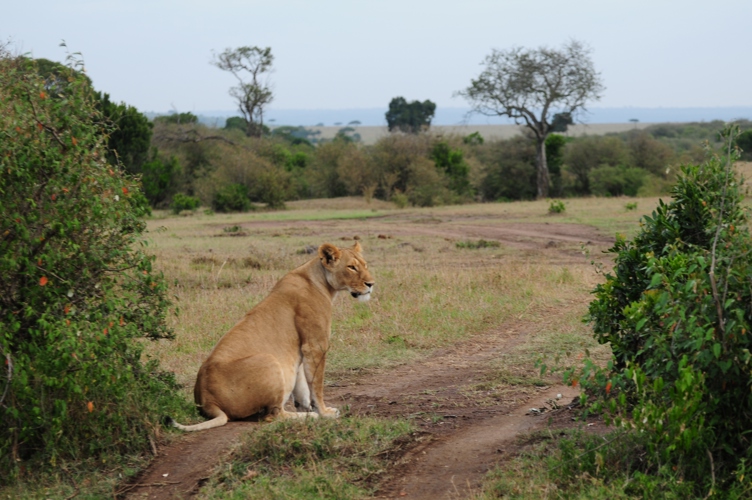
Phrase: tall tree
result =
(253, 92)
(532, 85)
(409, 117)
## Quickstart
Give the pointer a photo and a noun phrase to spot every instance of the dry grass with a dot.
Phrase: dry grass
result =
(429, 293)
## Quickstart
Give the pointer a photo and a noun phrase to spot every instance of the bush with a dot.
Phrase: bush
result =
(677, 313)
(556, 207)
(616, 181)
(182, 202)
(231, 198)
(77, 294)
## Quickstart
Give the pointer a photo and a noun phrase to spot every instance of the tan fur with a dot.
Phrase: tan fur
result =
(280, 347)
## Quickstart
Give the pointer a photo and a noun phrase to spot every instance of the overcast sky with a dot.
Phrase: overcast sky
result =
(155, 54)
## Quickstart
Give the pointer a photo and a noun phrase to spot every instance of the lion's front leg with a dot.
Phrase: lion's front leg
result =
(301, 394)
(314, 363)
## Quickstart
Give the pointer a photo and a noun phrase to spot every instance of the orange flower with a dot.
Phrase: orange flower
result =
(43, 281)
(125, 190)
(65, 190)
(90, 406)
(608, 387)
(105, 331)
(53, 196)
(74, 140)
(39, 126)
(67, 308)
(122, 323)
(42, 95)
(575, 382)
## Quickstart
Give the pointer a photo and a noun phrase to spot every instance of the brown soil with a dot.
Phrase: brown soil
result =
(465, 430)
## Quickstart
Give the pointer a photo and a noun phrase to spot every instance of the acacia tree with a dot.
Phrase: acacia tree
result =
(409, 117)
(251, 95)
(531, 86)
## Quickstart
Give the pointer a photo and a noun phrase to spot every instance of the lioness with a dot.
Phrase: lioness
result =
(280, 347)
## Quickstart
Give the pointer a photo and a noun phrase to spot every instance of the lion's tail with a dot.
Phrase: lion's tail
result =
(217, 421)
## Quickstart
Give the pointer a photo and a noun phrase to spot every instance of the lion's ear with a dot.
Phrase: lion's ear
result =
(357, 248)
(329, 254)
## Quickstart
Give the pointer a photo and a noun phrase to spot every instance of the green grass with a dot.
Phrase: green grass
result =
(311, 459)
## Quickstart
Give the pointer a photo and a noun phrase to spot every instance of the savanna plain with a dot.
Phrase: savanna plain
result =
(470, 302)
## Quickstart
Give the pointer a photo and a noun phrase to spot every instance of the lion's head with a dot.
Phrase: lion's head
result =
(347, 270)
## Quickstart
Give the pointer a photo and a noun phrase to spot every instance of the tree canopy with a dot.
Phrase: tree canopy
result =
(409, 117)
(531, 85)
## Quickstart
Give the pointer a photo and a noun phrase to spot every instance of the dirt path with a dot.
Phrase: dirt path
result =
(466, 430)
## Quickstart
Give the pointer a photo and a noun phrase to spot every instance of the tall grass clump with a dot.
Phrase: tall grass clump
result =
(77, 291)
(677, 313)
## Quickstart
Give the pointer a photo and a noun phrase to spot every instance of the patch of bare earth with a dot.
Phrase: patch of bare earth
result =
(465, 430)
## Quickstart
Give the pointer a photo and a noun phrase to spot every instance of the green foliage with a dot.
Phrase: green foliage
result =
(235, 123)
(616, 181)
(158, 178)
(677, 315)
(509, 170)
(182, 202)
(744, 142)
(409, 117)
(452, 163)
(555, 157)
(130, 140)
(561, 121)
(474, 245)
(556, 207)
(474, 139)
(630, 206)
(583, 155)
(77, 292)
(179, 118)
(231, 198)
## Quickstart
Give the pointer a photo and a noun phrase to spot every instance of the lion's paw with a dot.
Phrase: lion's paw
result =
(329, 412)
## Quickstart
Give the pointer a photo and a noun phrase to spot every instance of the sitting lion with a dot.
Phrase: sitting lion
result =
(280, 347)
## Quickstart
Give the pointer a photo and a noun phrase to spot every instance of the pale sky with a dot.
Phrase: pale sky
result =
(155, 54)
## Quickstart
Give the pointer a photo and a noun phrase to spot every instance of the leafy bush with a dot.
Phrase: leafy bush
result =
(77, 294)
(616, 181)
(231, 198)
(677, 313)
(556, 207)
(182, 202)
(474, 245)
(630, 206)
(744, 141)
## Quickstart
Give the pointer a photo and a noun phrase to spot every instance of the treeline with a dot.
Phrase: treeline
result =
(223, 169)
(183, 165)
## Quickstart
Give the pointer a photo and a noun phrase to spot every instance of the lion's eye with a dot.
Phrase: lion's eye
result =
(353, 268)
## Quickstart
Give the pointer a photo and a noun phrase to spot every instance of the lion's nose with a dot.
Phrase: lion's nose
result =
(370, 285)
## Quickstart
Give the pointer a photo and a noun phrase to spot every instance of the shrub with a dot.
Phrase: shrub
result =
(630, 206)
(182, 202)
(474, 245)
(616, 181)
(77, 294)
(231, 198)
(677, 313)
(556, 207)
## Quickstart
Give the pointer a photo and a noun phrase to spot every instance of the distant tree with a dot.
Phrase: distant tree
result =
(529, 85)
(744, 141)
(253, 93)
(586, 154)
(354, 123)
(131, 139)
(561, 122)
(236, 122)
(184, 118)
(409, 118)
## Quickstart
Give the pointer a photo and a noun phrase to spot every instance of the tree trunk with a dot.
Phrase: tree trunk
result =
(542, 167)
